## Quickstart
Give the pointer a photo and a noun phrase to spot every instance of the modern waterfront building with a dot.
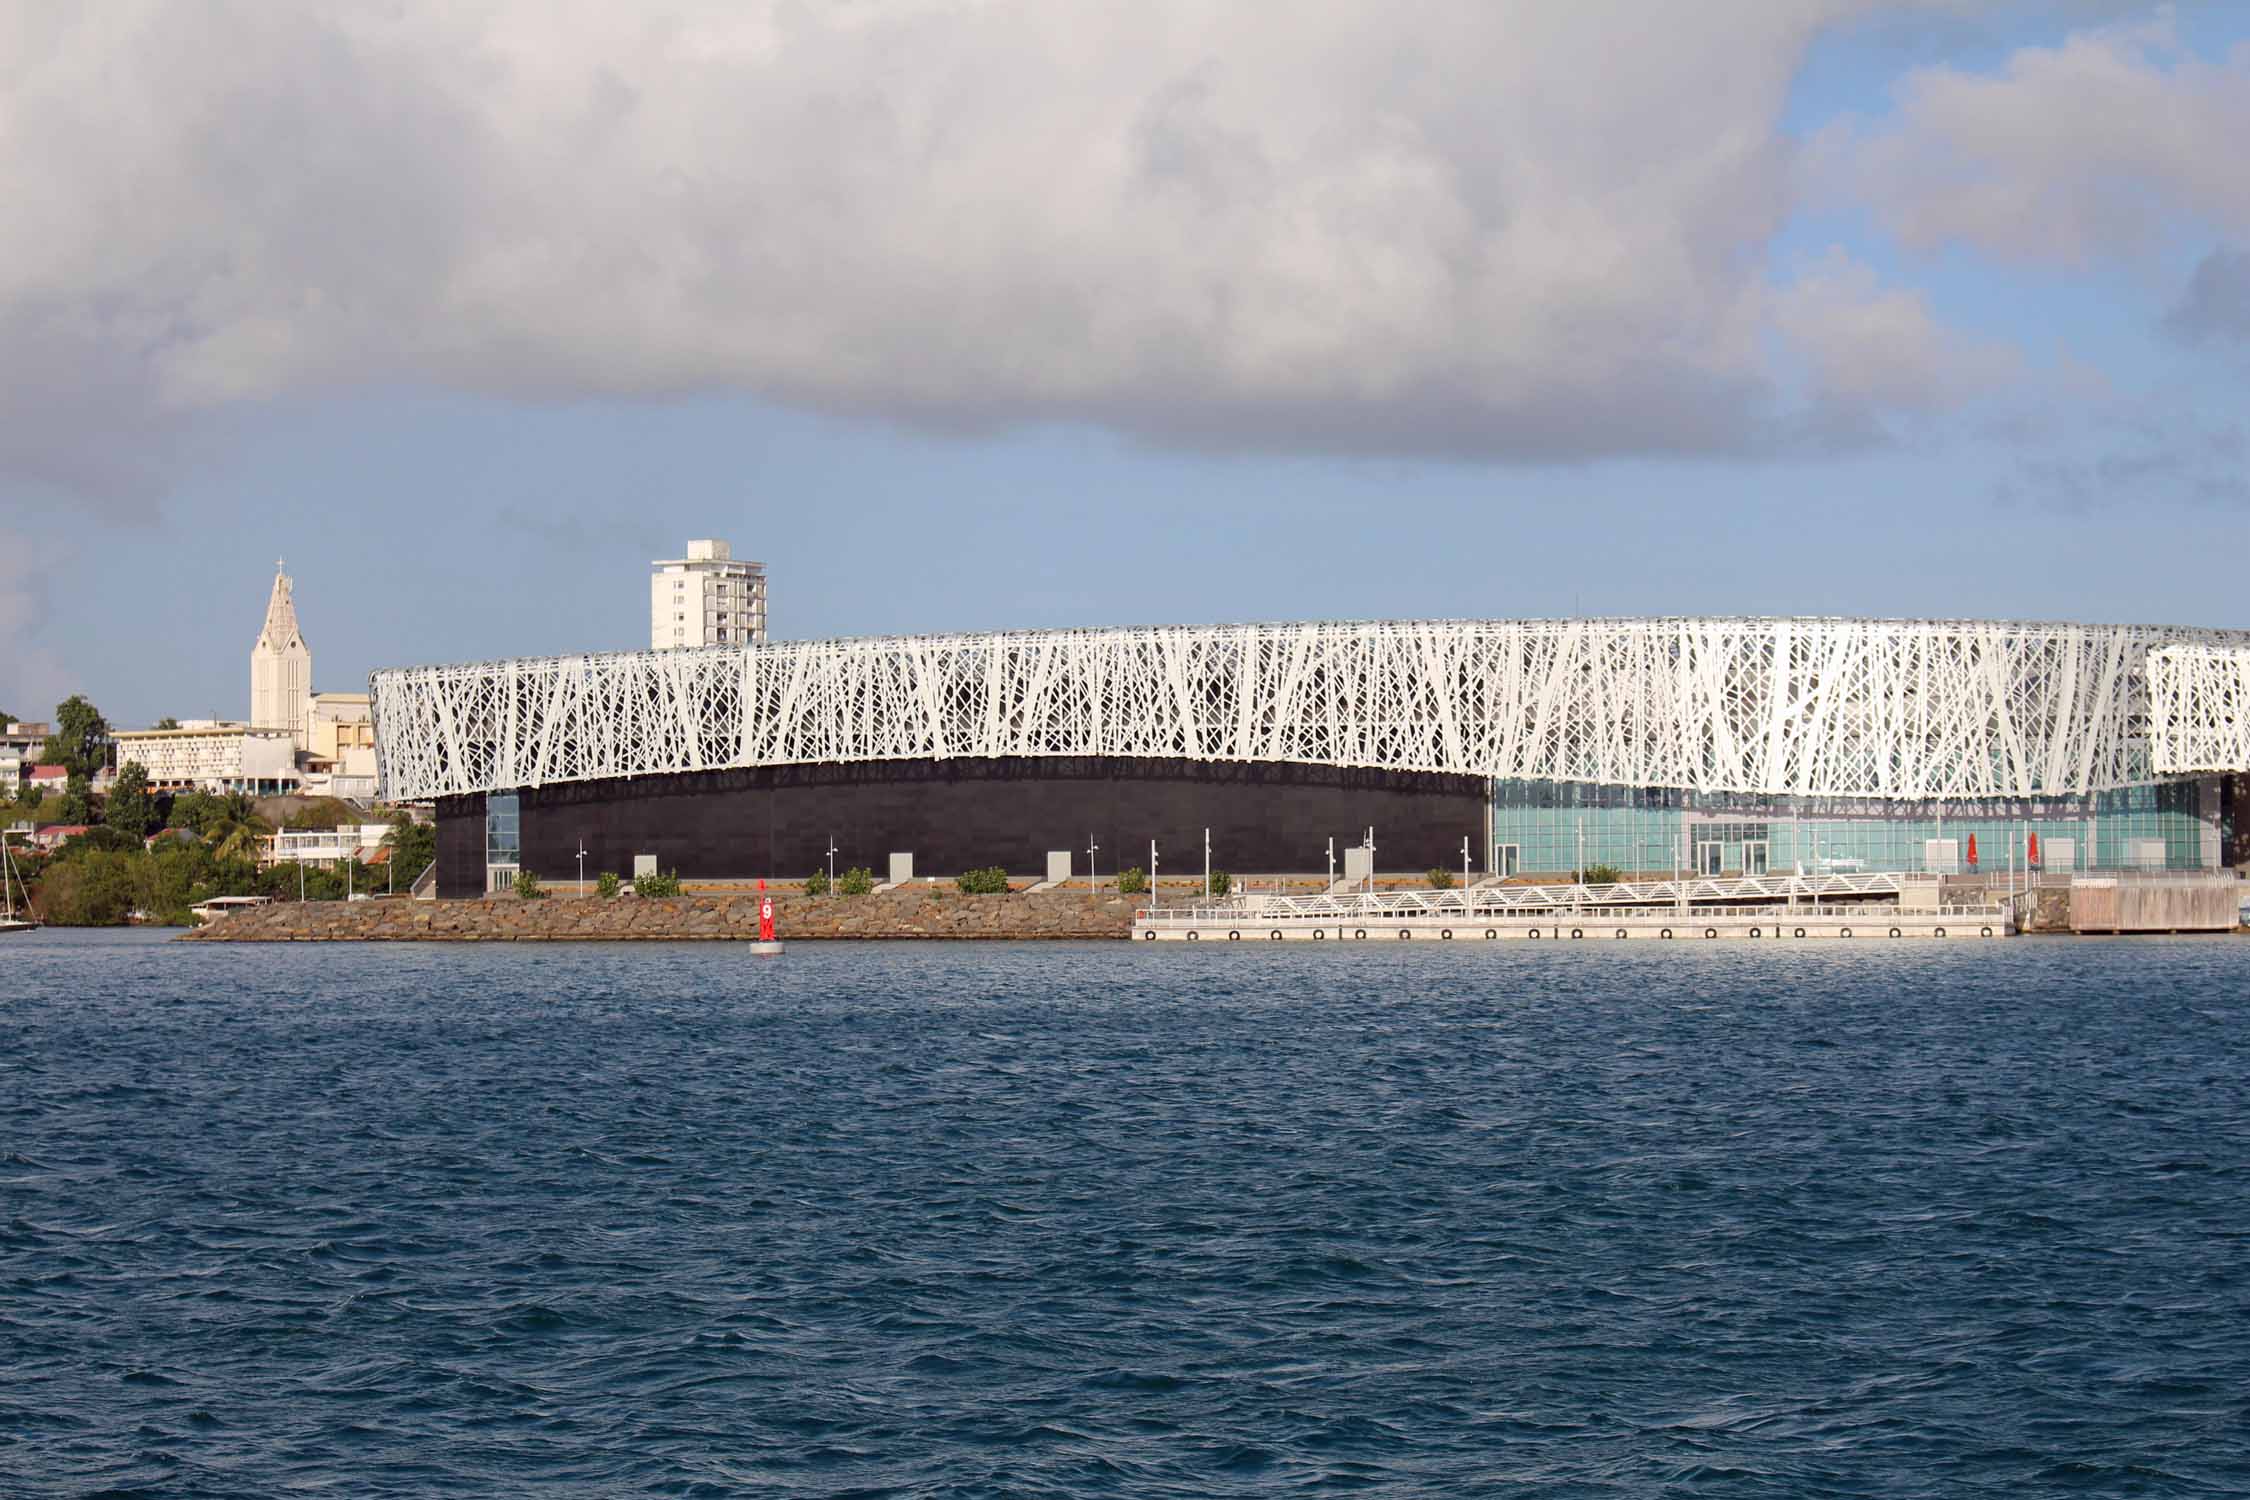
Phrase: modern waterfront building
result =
(706, 598)
(281, 667)
(1546, 746)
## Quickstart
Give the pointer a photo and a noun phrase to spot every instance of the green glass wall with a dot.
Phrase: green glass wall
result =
(1555, 828)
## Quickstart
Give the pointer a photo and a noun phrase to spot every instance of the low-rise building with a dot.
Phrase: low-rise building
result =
(319, 846)
(215, 756)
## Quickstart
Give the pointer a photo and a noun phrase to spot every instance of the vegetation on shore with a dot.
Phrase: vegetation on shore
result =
(111, 874)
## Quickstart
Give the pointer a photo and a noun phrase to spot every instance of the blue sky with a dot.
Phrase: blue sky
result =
(1054, 318)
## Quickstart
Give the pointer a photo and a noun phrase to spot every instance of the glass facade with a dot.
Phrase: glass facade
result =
(1551, 828)
(503, 829)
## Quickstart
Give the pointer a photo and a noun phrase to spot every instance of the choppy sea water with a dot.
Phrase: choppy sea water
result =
(1866, 1219)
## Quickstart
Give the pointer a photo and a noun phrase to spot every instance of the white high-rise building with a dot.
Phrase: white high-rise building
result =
(281, 667)
(706, 599)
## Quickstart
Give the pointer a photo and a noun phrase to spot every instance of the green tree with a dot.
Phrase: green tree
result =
(80, 737)
(989, 881)
(236, 831)
(128, 809)
(816, 884)
(527, 886)
(1600, 875)
(856, 881)
(94, 890)
(1440, 878)
(1132, 880)
(195, 811)
(77, 802)
(413, 845)
(607, 884)
(665, 884)
(1221, 882)
(167, 722)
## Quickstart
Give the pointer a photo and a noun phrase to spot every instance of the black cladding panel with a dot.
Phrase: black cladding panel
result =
(955, 815)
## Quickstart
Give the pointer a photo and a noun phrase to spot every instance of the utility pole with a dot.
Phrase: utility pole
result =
(1152, 874)
(1464, 866)
(1332, 859)
(1206, 864)
(1369, 844)
(1091, 846)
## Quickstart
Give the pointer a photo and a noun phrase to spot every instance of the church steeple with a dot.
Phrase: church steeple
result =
(281, 630)
(281, 666)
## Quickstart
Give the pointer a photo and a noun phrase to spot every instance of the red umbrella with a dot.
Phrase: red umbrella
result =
(2033, 857)
(1972, 849)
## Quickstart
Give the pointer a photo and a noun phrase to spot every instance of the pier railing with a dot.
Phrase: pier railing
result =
(1508, 900)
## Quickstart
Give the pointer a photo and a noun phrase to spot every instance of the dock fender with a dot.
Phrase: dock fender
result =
(1490, 933)
(1577, 932)
(1234, 937)
(1667, 932)
(1359, 932)
(1448, 932)
(1894, 932)
(1195, 937)
(1620, 932)
(1710, 932)
(1940, 932)
(1847, 932)
(1800, 932)
(1986, 933)
(1276, 935)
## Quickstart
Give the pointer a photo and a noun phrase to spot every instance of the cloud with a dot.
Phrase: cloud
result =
(1873, 350)
(32, 676)
(1516, 231)
(2100, 147)
(2215, 309)
(2154, 454)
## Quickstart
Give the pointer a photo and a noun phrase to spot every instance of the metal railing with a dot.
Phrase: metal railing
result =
(1784, 891)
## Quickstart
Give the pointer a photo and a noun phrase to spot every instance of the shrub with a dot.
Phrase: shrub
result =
(1601, 875)
(989, 881)
(527, 886)
(607, 884)
(1221, 882)
(666, 883)
(1440, 879)
(1132, 881)
(816, 884)
(856, 881)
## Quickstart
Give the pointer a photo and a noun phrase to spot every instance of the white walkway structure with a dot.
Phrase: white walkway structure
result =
(1805, 707)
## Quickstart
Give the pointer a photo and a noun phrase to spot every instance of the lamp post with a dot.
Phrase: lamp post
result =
(1368, 844)
(1331, 860)
(1464, 866)
(582, 866)
(1152, 874)
(1206, 864)
(1091, 846)
(832, 864)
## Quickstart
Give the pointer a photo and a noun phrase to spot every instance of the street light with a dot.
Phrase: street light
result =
(1091, 846)
(1152, 874)
(832, 864)
(1206, 864)
(581, 866)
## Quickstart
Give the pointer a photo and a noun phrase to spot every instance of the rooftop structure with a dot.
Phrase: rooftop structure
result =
(214, 756)
(706, 599)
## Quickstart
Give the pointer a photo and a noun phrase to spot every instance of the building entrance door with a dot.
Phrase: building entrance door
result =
(1507, 859)
(1754, 852)
(1710, 859)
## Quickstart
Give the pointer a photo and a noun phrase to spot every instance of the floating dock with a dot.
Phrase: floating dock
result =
(1782, 908)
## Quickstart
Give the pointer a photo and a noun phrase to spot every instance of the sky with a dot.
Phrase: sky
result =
(988, 314)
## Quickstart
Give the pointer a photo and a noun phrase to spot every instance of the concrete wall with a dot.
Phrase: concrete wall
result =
(2126, 905)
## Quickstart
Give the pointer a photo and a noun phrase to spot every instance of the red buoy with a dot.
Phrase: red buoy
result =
(2031, 854)
(765, 914)
(1972, 851)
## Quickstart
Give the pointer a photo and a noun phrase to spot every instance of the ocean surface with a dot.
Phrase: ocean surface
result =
(1594, 1219)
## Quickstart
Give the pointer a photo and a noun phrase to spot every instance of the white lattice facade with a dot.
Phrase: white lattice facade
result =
(2199, 708)
(1801, 707)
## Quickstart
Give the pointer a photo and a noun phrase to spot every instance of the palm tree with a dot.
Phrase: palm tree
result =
(235, 832)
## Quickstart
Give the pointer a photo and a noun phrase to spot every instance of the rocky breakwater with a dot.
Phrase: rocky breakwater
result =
(923, 912)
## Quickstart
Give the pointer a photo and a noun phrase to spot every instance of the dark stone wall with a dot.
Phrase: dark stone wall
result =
(959, 814)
